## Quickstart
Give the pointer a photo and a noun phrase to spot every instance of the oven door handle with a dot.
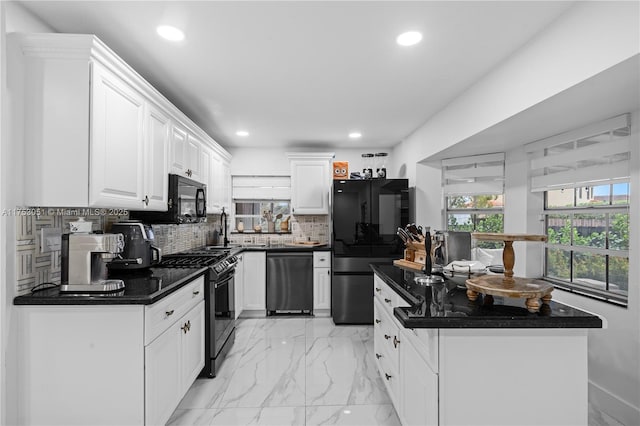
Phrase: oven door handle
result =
(223, 282)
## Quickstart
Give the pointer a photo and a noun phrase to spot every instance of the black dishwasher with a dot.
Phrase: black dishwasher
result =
(289, 282)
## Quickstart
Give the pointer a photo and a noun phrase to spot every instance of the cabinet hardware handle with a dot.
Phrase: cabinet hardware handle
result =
(184, 328)
(188, 325)
(197, 292)
(395, 341)
(378, 321)
(146, 200)
(329, 272)
(386, 336)
(378, 289)
(378, 356)
(388, 377)
(387, 300)
(169, 313)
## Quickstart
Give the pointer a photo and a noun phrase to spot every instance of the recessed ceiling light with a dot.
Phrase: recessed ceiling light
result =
(242, 133)
(355, 135)
(409, 38)
(170, 33)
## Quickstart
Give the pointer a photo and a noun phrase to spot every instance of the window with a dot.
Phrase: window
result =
(474, 194)
(584, 175)
(252, 213)
(260, 200)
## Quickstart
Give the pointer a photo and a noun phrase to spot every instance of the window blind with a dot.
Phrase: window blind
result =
(474, 175)
(587, 156)
(261, 187)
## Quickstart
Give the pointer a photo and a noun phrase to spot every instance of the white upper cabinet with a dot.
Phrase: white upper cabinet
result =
(117, 141)
(178, 150)
(310, 182)
(156, 158)
(99, 135)
(192, 158)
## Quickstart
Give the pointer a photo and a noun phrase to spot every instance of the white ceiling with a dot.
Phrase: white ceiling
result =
(305, 74)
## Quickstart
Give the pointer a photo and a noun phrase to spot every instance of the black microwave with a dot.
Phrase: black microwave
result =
(187, 203)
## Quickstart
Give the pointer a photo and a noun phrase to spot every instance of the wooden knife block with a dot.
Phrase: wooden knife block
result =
(415, 256)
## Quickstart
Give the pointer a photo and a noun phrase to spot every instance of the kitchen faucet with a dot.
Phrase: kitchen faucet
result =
(223, 227)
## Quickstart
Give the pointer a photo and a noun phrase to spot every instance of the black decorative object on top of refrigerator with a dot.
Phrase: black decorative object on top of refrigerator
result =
(366, 216)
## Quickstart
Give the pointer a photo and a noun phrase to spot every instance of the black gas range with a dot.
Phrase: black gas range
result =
(219, 299)
(219, 260)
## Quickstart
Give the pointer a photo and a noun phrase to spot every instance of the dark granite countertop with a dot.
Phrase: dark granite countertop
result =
(446, 306)
(283, 248)
(141, 288)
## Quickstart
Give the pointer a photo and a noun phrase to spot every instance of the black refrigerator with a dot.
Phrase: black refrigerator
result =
(366, 216)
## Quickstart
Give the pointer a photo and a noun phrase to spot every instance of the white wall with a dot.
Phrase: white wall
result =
(14, 19)
(274, 161)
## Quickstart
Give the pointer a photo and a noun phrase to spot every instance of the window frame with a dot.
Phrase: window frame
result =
(608, 210)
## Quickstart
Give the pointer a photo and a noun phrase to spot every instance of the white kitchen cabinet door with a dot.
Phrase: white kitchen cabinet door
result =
(163, 376)
(216, 190)
(117, 144)
(310, 185)
(226, 185)
(419, 393)
(239, 286)
(255, 281)
(178, 150)
(155, 159)
(192, 156)
(192, 332)
(321, 288)
(206, 175)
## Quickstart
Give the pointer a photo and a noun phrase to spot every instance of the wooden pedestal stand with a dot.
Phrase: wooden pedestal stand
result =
(508, 285)
(415, 256)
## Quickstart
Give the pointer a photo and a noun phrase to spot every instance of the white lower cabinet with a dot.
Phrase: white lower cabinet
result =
(255, 281)
(109, 364)
(239, 286)
(162, 378)
(419, 402)
(321, 281)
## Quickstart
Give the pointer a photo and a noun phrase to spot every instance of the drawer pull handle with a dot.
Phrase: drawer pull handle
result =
(378, 356)
(184, 328)
(386, 336)
(169, 313)
(197, 292)
(378, 289)
(395, 341)
(378, 321)
(388, 377)
(387, 300)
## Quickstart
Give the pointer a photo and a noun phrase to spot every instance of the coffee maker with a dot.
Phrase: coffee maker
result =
(85, 257)
(139, 251)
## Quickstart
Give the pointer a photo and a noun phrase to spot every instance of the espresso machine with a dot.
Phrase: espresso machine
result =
(84, 262)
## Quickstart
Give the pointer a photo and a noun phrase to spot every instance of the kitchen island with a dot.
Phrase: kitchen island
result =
(449, 361)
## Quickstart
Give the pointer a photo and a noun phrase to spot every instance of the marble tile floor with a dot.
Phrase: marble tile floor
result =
(292, 371)
(298, 371)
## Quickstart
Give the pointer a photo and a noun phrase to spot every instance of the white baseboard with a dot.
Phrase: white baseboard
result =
(610, 404)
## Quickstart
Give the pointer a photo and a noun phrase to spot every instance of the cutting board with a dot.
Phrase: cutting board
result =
(306, 244)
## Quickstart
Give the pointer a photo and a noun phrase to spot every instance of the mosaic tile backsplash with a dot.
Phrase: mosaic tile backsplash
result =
(34, 267)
